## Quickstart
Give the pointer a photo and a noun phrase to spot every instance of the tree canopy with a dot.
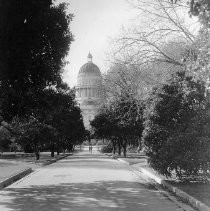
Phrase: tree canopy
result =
(170, 119)
(35, 38)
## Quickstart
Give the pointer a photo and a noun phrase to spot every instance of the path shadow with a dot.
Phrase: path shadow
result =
(101, 195)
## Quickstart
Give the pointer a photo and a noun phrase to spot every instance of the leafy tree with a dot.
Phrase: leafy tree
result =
(105, 127)
(189, 148)
(120, 122)
(129, 116)
(171, 116)
(71, 128)
(35, 39)
(199, 8)
(30, 133)
(58, 109)
(198, 59)
(56, 124)
(5, 138)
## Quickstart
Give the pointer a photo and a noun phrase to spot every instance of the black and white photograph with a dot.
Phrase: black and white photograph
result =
(104, 105)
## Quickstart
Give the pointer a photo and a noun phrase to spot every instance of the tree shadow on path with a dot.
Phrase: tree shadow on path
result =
(101, 195)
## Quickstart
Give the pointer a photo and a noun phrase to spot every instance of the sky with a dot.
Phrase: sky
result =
(95, 22)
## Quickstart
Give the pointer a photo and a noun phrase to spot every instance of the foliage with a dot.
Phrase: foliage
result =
(172, 113)
(60, 111)
(120, 119)
(34, 42)
(106, 149)
(5, 138)
(197, 61)
(57, 124)
(194, 158)
(119, 122)
(132, 149)
(102, 124)
(199, 8)
(32, 133)
(57, 107)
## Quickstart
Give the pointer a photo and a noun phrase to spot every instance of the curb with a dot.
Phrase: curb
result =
(8, 181)
(123, 161)
(186, 197)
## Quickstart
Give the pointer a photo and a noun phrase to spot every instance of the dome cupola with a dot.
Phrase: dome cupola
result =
(89, 57)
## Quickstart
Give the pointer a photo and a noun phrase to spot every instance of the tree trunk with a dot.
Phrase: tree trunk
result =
(114, 147)
(124, 152)
(58, 149)
(139, 146)
(124, 148)
(37, 155)
(119, 148)
(52, 150)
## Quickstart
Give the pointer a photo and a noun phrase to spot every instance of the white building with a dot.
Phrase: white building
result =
(88, 90)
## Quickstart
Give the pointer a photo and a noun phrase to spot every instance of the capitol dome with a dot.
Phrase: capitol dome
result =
(89, 67)
(88, 90)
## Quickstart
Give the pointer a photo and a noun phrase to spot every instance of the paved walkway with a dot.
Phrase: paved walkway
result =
(85, 182)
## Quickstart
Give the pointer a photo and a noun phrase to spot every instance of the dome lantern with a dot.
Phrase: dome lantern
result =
(89, 57)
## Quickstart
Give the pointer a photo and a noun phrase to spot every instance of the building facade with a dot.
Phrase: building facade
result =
(89, 90)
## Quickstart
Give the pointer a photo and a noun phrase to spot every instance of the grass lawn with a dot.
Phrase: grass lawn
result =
(11, 163)
(200, 191)
(9, 168)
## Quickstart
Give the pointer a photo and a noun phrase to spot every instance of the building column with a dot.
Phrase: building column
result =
(95, 90)
(82, 92)
(88, 92)
(85, 92)
(91, 92)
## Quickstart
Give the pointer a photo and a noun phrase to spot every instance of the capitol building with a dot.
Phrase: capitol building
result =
(89, 90)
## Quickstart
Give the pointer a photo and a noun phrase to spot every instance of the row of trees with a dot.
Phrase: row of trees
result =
(121, 123)
(158, 88)
(38, 110)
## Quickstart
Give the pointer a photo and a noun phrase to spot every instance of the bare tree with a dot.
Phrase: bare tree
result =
(161, 22)
(154, 48)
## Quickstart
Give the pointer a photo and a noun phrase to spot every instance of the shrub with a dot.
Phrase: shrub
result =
(176, 135)
(132, 149)
(106, 149)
